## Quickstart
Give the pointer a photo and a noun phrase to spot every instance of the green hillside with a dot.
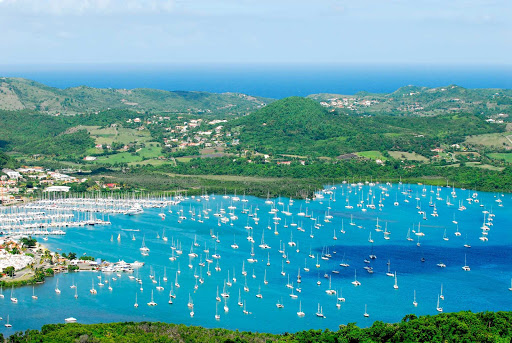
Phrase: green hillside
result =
(422, 101)
(301, 126)
(482, 327)
(21, 94)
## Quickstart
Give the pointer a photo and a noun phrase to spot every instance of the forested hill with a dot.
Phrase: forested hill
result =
(6, 161)
(302, 126)
(483, 327)
(23, 94)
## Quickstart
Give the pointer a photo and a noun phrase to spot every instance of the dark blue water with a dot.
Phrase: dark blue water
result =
(273, 81)
(484, 287)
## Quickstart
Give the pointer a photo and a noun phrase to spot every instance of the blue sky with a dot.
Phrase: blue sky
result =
(256, 31)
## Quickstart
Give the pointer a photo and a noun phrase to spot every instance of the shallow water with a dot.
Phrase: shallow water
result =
(485, 287)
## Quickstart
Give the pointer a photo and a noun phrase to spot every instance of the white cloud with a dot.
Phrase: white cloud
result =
(66, 7)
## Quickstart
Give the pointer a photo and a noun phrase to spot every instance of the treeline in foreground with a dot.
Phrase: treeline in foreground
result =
(445, 327)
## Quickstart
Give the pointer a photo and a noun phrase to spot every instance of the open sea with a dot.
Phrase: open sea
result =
(484, 287)
(273, 81)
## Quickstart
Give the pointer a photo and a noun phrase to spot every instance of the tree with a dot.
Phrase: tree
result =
(9, 271)
(28, 242)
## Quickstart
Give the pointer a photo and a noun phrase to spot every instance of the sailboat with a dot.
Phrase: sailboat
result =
(1, 292)
(136, 304)
(217, 315)
(119, 237)
(319, 312)
(395, 286)
(7, 325)
(409, 235)
(144, 249)
(259, 295)
(13, 298)
(152, 302)
(510, 289)
(76, 293)
(245, 309)
(414, 302)
(240, 303)
(365, 311)
(300, 313)
(159, 287)
(57, 290)
(388, 273)
(439, 309)
(441, 296)
(34, 296)
(355, 282)
(330, 291)
(340, 296)
(465, 267)
(93, 290)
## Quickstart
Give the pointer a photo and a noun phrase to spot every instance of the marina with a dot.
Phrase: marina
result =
(217, 260)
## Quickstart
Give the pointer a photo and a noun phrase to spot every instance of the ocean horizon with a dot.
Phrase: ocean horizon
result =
(272, 81)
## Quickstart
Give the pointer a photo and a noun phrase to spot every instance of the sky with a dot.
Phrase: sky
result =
(434, 32)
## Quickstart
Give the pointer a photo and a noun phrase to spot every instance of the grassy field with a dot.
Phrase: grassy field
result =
(483, 166)
(403, 155)
(121, 135)
(373, 155)
(149, 153)
(501, 156)
(491, 139)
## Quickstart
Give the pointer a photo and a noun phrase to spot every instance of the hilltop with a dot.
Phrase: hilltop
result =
(302, 126)
(421, 101)
(22, 94)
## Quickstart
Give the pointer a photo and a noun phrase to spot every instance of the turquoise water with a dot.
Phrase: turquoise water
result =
(484, 287)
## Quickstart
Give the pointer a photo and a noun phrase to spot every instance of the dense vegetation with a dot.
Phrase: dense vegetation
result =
(301, 126)
(6, 161)
(446, 327)
(33, 133)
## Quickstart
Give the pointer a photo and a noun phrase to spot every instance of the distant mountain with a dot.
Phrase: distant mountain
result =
(20, 94)
(421, 101)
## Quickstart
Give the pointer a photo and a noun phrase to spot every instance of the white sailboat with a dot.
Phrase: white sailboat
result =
(136, 304)
(144, 249)
(465, 267)
(438, 308)
(7, 324)
(414, 302)
(34, 296)
(355, 282)
(319, 312)
(217, 315)
(152, 302)
(93, 290)
(57, 290)
(300, 313)
(13, 298)
(365, 311)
